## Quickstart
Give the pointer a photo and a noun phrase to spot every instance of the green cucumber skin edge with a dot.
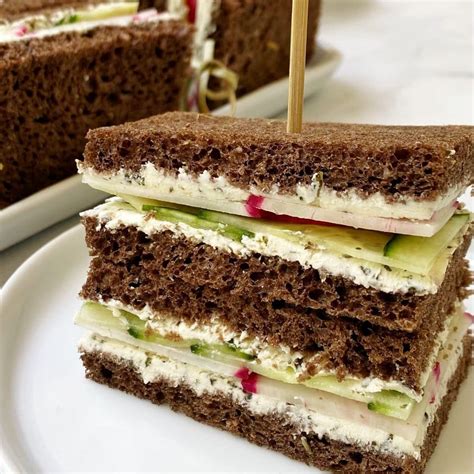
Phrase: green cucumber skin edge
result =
(231, 231)
(389, 245)
(388, 402)
(135, 333)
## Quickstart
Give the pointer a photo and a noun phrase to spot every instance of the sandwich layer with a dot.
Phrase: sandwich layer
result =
(315, 202)
(267, 269)
(112, 68)
(292, 429)
(130, 268)
(258, 155)
(11, 10)
(66, 20)
(213, 346)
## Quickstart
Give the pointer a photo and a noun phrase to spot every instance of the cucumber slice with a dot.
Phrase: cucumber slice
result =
(145, 204)
(102, 12)
(95, 314)
(388, 402)
(216, 351)
(254, 225)
(391, 403)
(406, 248)
(232, 350)
(178, 216)
(413, 254)
(100, 315)
(67, 20)
(200, 349)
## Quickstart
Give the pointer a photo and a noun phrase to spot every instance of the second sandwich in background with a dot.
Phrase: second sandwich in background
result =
(67, 67)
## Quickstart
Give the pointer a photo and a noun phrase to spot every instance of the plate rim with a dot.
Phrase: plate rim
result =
(8, 461)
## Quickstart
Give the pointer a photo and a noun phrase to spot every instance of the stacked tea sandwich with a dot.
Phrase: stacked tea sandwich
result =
(67, 66)
(301, 290)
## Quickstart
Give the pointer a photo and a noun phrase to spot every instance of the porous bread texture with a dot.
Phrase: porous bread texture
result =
(399, 162)
(11, 10)
(160, 5)
(252, 38)
(129, 267)
(53, 90)
(275, 280)
(274, 431)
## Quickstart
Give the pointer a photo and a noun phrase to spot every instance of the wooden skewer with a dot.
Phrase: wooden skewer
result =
(299, 34)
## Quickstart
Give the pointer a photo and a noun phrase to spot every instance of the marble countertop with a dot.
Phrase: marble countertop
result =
(405, 62)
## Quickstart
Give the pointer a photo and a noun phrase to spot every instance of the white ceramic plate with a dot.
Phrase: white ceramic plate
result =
(55, 203)
(54, 420)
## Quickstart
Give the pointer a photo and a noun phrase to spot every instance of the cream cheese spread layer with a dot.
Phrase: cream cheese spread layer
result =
(280, 357)
(156, 184)
(331, 416)
(204, 24)
(361, 272)
(108, 14)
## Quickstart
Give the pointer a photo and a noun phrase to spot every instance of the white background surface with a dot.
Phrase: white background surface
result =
(405, 62)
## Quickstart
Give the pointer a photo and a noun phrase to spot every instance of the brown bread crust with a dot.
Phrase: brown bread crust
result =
(397, 161)
(136, 270)
(273, 431)
(55, 89)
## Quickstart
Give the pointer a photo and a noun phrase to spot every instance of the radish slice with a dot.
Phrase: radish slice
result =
(253, 204)
(315, 215)
(470, 317)
(437, 371)
(191, 10)
(247, 379)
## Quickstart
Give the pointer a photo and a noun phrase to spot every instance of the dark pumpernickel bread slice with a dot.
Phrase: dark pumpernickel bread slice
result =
(137, 270)
(160, 5)
(274, 431)
(397, 161)
(53, 90)
(252, 38)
